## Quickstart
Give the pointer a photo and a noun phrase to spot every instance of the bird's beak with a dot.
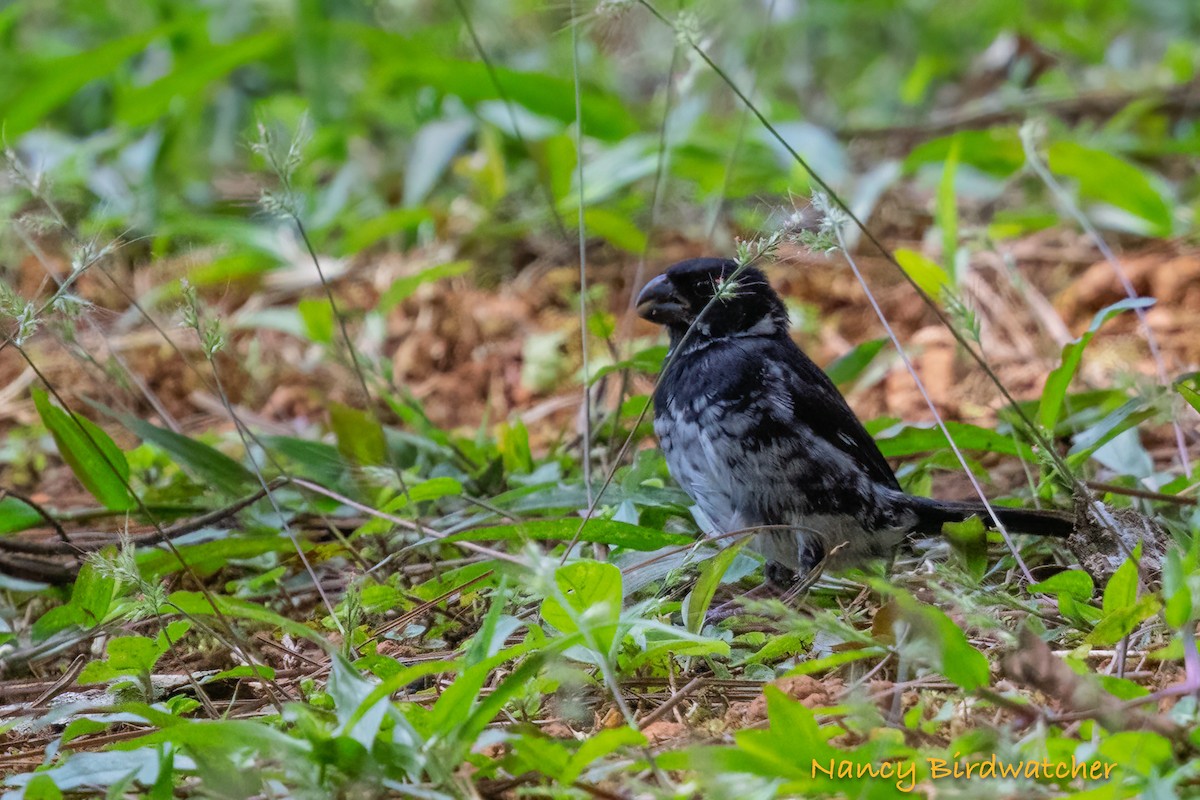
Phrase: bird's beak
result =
(658, 302)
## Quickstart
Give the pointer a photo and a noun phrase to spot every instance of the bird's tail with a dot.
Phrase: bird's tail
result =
(932, 513)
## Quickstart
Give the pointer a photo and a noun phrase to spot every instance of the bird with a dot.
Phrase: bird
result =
(760, 437)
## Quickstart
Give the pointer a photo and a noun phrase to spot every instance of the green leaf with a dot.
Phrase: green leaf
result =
(317, 316)
(834, 660)
(794, 748)
(779, 647)
(996, 151)
(480, 575)
(1121, 591)
(556, 157)
(947, 210)
(616, 229)
(618, 534)
(58, 80)
(360, 439)
(912, 439)
(646, 362)
(512, 440)
(946, 642)
(1181, 584)
(1122, 688)
(401, 61)
(93, 594)
(534, 751)
(1125, 418)
(492, 703)
(674, 642)
(90, 453)
(208, 557)
(43, 787)
(84, 772)
(916, 83)
(463, 711)
(1079, 612)
(1050, 406)
(969, 540)
(403, 288)
(397, 682)
(171, 635)
(1121, 621)
(695, 607)
(126, 655)
(1074, 582)
(231, 268)
(91, 600)
(217, 736)
(960, 662)
(421, 492)
(460, 697)
(1103, 177)
(1015, 223)
(367, 232)
(81, 727)
(596, 747)
(15, 515)
(435, 145)
(197, 605)
(1189, 387)
(192, 71)
(849, 366)
(56, 619)
(1178, 611)
(209, 464)
(485, 642)
(260, 673)
(925, 272)
(592, 594)
(317, 461)
(1140, 752)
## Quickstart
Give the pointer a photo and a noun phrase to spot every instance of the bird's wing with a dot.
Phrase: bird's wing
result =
(797, 391)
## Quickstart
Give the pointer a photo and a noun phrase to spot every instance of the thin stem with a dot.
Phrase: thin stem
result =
(547, 191)
(659, 174)
(655, 203)
(743, 120)
(287, 528)
(583, 337)
(1033, 159)
(937, 417)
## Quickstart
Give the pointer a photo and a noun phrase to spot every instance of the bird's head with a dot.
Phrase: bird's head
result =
(707, 295)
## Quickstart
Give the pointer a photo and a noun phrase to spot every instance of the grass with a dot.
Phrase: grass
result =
(327, 468)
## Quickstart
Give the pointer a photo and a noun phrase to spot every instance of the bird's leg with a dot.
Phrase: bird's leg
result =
(779, 575)
(730, 607)
(806, 581)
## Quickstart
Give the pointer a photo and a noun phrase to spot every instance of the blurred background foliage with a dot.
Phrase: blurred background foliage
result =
(141, 111)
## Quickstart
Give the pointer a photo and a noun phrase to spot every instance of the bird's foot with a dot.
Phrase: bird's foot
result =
(779, 576)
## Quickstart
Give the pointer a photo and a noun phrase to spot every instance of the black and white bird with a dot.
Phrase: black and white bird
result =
(758, 435)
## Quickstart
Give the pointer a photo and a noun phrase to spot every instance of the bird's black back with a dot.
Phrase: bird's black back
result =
(774, 373)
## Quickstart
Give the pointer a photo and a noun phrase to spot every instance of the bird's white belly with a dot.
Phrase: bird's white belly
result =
(693, 463)
(703, 470)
